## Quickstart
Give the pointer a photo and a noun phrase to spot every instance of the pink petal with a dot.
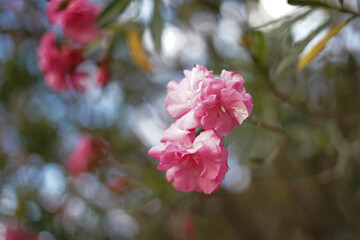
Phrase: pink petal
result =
(175, 133)
(157, 150)
(55, 11)
(233, 81)
(189, 120)
(79, 21)
(186, 180)
(208, 185)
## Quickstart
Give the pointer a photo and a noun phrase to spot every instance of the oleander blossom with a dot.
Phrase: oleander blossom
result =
(212, 106)
(86, 155)
(55, 11)
(184, 96)
(191, 163)
(77, 18)
(58, 62)
(199, 99)
(226, 103)
(62, 62)
(79, 21)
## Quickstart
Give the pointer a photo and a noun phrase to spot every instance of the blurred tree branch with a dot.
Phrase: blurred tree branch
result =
(269, 127)
(326, 5)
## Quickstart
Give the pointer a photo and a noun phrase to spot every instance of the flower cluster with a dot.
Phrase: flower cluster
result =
(59, 60)
(217, 105)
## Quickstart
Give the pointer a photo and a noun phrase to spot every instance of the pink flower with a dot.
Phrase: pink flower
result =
(192, 163)
(56, 81)
(70, 57)
(78, 80)
(182, 226)
(77, 17)
(48, 53)
(183, 97)
(116, 184)
(54, 57)
(85, 156)
(225, 103)
(14, 232)
(79, 21)
(218, 104)
(55, 11)
(57, 62)
(215, 103)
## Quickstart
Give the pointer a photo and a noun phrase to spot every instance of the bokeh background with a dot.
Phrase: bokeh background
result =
(294, 165)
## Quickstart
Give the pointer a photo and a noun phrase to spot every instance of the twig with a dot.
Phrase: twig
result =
(269, 127)
(342, 9)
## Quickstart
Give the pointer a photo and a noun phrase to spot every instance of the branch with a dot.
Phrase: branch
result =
(269, 127)
(322, 4)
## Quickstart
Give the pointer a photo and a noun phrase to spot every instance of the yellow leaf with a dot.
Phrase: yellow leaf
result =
(137, 51)
(307, 58)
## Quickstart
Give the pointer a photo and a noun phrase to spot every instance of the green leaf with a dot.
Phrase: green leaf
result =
(307, 58)
(315, 3)
(137, 52)
(254, 40)
(287, 20)
(297, 49)
(111, 12)
(156, 26)
(261, 47)
(287, 23)
(92, 47)
(240, 64)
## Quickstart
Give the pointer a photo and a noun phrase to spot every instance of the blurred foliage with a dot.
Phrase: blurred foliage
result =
(295, 170)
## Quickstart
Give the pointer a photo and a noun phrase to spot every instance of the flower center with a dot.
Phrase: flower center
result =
(221, 107)
(196, 159)
(190, 161)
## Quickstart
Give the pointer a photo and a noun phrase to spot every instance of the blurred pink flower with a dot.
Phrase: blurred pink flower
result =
(14, 232)
(192, 163)
(55, 11)
(85, 156)
(225, 103)
(56, 81)
(48, 53)
(57, 62)
(117, 184)
(103, 74)
(78, 81)
(79, 21)
(182, 226)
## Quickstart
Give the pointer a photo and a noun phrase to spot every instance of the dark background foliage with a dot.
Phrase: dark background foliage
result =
(295, 170)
